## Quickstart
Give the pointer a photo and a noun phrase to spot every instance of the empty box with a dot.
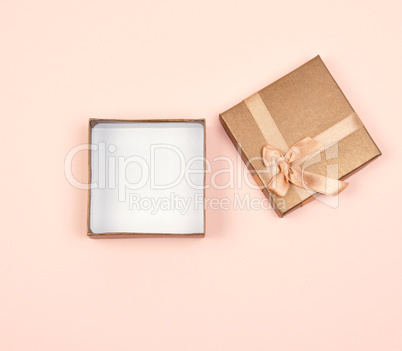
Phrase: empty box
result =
(147, 178)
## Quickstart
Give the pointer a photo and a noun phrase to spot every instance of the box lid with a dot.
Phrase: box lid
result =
(305, 103)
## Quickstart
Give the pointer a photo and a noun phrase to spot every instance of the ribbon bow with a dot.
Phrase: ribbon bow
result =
(289, 172)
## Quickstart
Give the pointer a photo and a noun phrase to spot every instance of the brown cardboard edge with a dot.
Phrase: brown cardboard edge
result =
(92, 123)
(89, 231)
(143, 235)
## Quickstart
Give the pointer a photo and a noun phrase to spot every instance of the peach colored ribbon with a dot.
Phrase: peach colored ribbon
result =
(290, 172)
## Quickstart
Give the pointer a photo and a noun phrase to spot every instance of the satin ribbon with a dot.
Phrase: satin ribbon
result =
(286, 170)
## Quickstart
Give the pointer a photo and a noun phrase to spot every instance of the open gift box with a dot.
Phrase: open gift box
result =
(147, 178)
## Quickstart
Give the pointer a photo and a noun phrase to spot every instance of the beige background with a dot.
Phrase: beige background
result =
(320, 279)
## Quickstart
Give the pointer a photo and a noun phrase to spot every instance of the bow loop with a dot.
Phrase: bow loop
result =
(270, 155)
(302, 148)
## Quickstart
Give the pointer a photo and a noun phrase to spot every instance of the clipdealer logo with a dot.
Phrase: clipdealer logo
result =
(222, 172)
(174, 202)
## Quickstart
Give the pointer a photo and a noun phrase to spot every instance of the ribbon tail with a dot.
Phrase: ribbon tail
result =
(279, 184)
(317, 183)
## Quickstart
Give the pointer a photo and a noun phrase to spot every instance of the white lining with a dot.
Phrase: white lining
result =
(119, 208)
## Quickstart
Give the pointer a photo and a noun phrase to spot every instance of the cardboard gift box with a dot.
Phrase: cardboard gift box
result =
(147, 178)
(304, 108)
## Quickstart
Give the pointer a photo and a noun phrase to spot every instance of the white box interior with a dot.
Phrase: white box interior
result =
(141, 181)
